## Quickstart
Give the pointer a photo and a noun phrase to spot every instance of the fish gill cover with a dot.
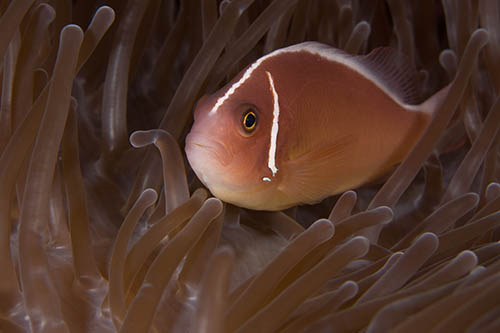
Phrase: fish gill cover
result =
(102, 234)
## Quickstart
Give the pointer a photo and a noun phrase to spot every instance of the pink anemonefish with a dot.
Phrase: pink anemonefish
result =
(306, 122)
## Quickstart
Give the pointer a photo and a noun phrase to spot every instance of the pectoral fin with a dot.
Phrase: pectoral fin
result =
(319, 173)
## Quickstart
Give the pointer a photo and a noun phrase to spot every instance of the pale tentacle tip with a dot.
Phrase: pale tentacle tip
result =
(428, 235)
(106, 10)
(387, 213)
(475, 197)
(351, 287)
(365, 26)
(328, 229)
(323, 222)
(468, 255)
(72, 28)
(350, 192)
(149, 195)
(492, 191)
(482, 34)
(49, 9)
(216, 202)
(363, 241)
(140, 139)
(430, 238)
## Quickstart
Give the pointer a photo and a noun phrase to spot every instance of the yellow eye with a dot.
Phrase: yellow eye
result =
(249, 120)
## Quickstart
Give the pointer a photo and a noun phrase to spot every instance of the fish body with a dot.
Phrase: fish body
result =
(306, 122)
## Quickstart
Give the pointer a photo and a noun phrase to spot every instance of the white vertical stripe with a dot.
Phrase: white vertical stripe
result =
(271, 163)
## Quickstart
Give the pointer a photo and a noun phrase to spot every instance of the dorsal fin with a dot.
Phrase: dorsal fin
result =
(385, 66)
(394, 72)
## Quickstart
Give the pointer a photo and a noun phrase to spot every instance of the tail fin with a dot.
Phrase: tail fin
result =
(434, 102)
(429, 107)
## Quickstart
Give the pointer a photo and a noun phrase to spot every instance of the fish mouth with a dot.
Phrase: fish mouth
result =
(199, 145)
(219, 150)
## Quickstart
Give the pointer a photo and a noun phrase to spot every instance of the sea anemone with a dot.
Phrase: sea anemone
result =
(104, 227)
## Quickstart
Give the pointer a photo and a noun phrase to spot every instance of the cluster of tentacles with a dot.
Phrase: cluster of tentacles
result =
(103, 226)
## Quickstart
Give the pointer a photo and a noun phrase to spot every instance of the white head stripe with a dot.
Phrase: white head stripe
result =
(237, 84)
(271, 163)
(245, 77)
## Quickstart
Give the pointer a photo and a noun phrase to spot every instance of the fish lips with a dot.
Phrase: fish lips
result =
(206, 156)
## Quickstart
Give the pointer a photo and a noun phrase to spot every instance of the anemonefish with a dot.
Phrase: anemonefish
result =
(306, 122)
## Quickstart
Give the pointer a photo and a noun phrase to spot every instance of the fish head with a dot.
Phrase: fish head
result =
(228, 146)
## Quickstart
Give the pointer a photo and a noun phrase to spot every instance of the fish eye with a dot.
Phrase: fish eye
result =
(249, 120)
